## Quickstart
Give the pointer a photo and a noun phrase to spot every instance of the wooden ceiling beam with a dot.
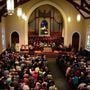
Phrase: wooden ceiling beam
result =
(2, 2)
(3, 10)
(87, 4)
(79, 6)
(20, 2)
(84, 6)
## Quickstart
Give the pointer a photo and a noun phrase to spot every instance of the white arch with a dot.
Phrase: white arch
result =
(43, 3)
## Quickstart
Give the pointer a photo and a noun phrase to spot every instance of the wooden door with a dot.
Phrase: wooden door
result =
(14, 38)
(75, 41)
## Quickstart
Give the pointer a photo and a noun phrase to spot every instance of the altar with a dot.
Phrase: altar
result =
(47, 49)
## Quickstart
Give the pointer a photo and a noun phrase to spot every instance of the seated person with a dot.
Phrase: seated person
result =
(31, 49)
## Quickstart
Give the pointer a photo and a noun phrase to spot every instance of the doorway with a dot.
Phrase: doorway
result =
(14, 39)
(75, 41)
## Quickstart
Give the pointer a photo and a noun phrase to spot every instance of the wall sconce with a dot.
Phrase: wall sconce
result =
(78, 17)
(69, 19)
(24, 16)
(21, 14)
(19, 11)
(10, 7)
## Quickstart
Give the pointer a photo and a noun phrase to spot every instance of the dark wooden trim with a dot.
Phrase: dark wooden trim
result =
(2, 2)
(81, 7)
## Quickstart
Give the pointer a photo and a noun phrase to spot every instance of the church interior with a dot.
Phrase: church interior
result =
(45, 45)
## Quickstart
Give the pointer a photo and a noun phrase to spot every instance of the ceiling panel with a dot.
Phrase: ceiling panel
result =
(83, 6)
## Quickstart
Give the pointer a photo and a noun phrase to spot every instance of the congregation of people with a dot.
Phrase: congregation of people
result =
(76, 69)
(29, 71)
(25, 72)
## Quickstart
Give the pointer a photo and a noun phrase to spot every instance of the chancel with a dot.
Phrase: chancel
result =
(45, 45)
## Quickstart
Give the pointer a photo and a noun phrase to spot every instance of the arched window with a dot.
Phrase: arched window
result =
(44, 28)
(3, 38)
(88, 39)
(88, 42)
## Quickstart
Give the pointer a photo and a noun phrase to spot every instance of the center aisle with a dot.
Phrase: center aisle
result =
(60, 80)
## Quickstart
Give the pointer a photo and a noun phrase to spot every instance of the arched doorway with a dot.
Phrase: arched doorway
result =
(14, 38)
(75, 41)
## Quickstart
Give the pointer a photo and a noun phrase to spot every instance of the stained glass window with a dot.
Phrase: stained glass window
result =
(44, 28)
(3, 38)
(88, 40)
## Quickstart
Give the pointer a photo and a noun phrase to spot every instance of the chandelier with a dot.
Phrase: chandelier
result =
(10, 7)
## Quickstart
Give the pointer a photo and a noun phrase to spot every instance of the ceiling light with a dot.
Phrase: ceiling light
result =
(10, 7)
(69, 19)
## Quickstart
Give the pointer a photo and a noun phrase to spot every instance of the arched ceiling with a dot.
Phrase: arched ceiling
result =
(45, 11)
(83, 6)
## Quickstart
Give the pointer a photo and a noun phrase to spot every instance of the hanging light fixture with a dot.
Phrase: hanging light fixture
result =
(10, 7)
